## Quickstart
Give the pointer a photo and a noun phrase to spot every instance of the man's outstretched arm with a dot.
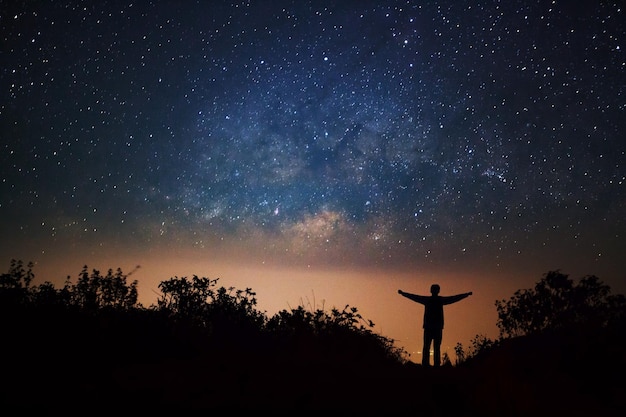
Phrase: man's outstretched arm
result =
(414, 297)
(454, 298)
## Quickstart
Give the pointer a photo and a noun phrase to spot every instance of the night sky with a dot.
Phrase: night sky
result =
(321, 153)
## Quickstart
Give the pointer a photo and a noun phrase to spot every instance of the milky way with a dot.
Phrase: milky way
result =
(398, 129)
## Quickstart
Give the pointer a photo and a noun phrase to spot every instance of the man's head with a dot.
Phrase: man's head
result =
(434, 289)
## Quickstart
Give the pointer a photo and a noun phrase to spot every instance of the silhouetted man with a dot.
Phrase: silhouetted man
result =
(433, 320)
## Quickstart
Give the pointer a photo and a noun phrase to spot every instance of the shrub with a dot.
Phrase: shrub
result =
(556, 302)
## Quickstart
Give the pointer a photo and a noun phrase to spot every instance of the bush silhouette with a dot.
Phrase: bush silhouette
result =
(92, 291)
(556, 302)
(207, 348)
(96, 291)
(15, 284)
(336, 333)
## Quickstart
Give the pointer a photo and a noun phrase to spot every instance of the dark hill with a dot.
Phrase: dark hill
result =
(93, 365)
(573, 373)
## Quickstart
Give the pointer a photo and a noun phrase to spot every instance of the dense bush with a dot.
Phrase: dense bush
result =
(337, 332)
(205, 349)
(92, 291)
(195, 314)
(556, 302)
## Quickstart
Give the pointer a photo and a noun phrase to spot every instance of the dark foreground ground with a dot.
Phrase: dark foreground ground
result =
(84, 370)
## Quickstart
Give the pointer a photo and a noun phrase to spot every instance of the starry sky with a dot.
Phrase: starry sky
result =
(322, 153)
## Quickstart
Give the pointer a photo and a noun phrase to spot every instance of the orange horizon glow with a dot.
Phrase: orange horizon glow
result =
(283, 286)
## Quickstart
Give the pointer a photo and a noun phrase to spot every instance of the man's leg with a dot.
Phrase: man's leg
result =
(428, 339)
(437, 336)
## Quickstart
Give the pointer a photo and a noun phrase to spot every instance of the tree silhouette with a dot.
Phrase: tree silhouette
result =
(556, 302)
(206, 349)
(97, 291)
(183, 297)
(15, 284)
